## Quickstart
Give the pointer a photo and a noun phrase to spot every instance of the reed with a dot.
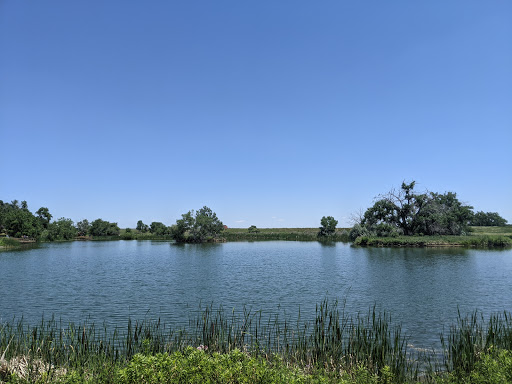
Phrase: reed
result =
(472, 337)
(331, 342)
(9, 242)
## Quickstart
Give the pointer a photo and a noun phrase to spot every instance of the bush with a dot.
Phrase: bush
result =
(8, 242)
(494, 366)
(196, 366)
(359, 230)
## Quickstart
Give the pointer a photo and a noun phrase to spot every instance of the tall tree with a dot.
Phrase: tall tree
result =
(328, 226)
(406, 212)
(44, 216)
(488, 219)
(141, 227)
(62, 229)
(83, 227)
(101, 227)
(157, 228)
(198, 228)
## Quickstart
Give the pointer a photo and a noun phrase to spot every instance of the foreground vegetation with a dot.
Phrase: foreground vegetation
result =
(229, 347)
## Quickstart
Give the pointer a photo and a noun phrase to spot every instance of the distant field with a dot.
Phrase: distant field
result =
(501, 231)
(234, 234)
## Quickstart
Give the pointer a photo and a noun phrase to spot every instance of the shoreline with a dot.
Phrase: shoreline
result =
(480, 237)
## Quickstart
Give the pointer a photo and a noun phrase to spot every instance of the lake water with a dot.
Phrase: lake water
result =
(112, 281)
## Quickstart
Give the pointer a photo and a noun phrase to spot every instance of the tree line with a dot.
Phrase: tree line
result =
(17, 221)
(401, 211)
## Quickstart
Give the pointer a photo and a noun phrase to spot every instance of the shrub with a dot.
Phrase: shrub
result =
(359, 230)
(196, 366)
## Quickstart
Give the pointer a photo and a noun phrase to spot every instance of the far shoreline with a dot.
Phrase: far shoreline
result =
(479, 237)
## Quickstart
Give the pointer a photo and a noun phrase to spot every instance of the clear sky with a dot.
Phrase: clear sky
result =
(272, 113)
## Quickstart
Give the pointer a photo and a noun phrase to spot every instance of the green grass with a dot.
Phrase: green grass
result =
(290, 234)
(9, 242)
(484, 241)
(226, 347)
(492, 231)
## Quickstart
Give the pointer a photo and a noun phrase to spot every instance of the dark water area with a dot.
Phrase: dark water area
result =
(109, 282)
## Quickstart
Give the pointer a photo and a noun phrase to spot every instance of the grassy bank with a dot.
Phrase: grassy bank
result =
(492, 231)
(290, 234)
(483, 241)
(9, 242)
(226, 347)
(483, 237)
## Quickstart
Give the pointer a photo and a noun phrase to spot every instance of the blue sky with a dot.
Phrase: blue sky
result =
(272, 113)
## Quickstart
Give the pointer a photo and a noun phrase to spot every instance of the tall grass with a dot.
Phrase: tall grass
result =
(332, 341)
(472, 336)
(9, 242)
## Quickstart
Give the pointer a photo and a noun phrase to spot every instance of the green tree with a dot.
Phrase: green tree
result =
(179, 230)
(253, 229)
(406, 212)
(328, 226)
(198, 228)
(83, 227)
(141, 227)
(157, 228)
(444, 214)
(487, 219)
(44, 216)
(101, 227)
(62, 229)
(18, 221)
(207, 225)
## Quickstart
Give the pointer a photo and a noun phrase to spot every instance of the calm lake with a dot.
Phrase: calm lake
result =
(116, 280)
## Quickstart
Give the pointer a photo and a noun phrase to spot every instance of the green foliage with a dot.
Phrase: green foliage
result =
(492, 367)
(83, 227)
(141, 227)
(333, 348)
(285, 234)
(159, 229)
(198, 228)
(405, 212)
(359, 230)
(8, 242)
(44, 216)
(197, 366)
(18, 221)
(495, 366)
(253, 229)
(101, 227)
(62, 229)
(443, 214)
(328, 226)
(371, 239)
(487, 219)
(128, 234)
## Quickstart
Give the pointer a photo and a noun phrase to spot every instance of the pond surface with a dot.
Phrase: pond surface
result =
(112, 281)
